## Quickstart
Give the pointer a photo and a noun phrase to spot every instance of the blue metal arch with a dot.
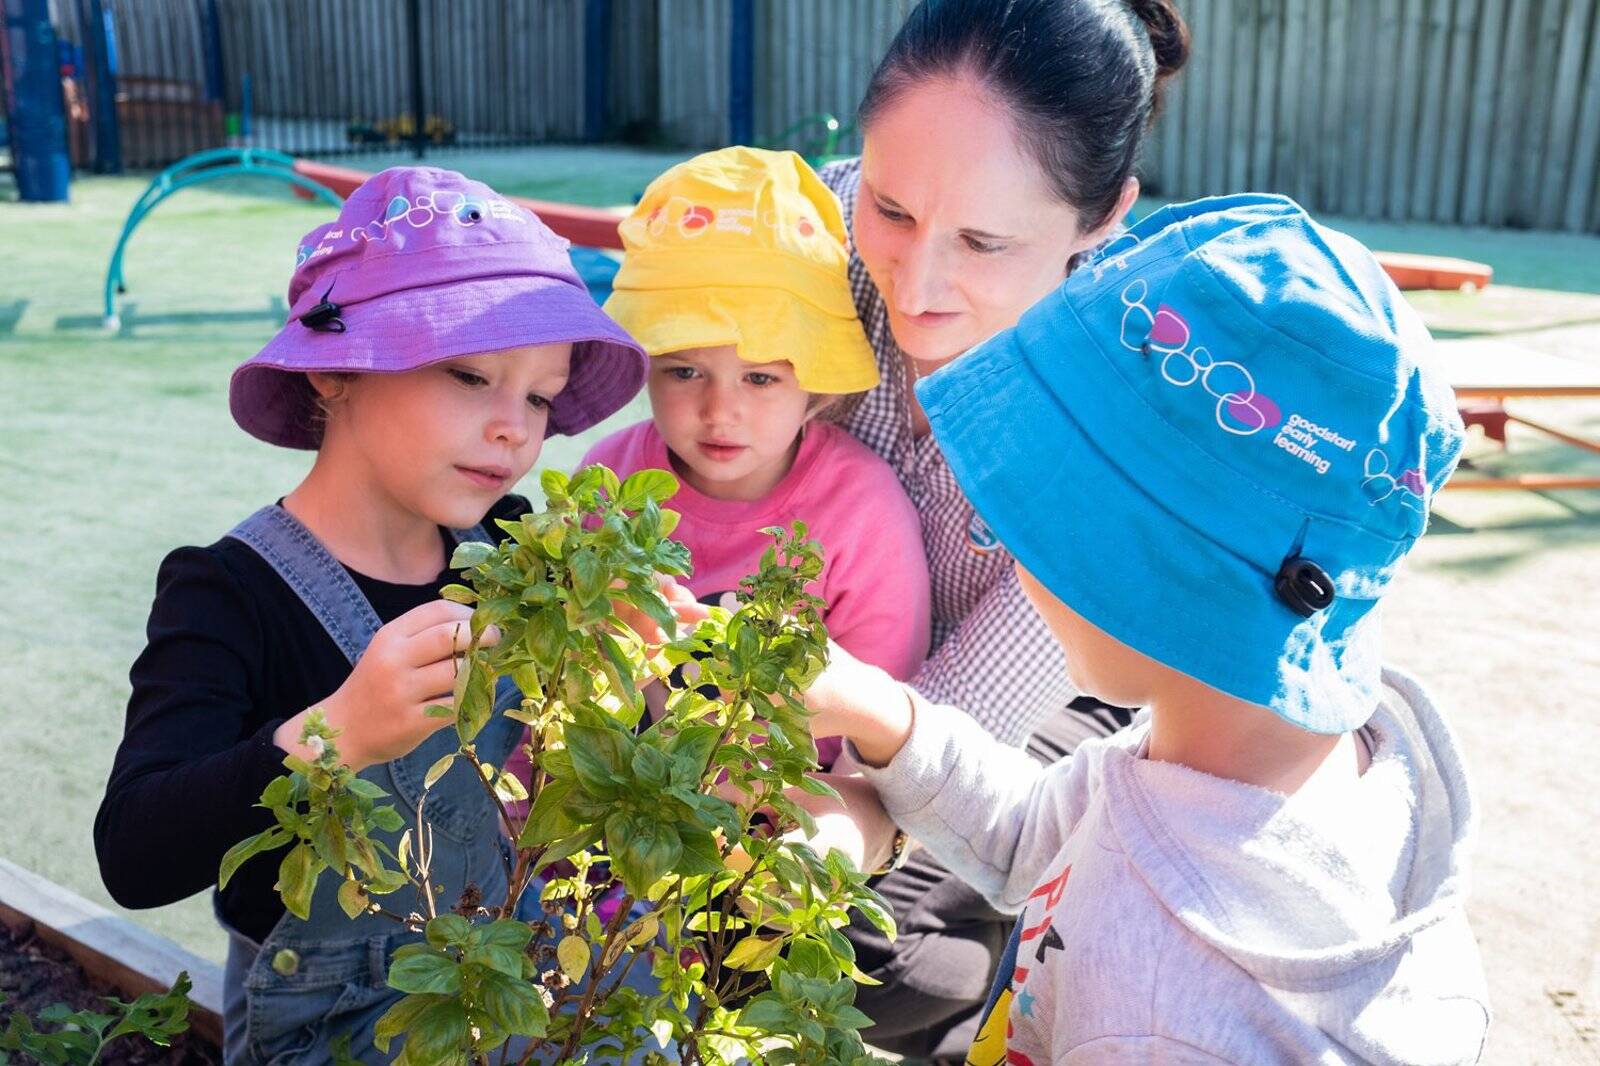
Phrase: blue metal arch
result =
(195, 170)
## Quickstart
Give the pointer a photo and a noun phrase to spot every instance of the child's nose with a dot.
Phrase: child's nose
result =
(719, 403)
(509, 421)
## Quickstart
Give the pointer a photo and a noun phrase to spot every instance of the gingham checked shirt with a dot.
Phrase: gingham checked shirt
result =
(992, 655)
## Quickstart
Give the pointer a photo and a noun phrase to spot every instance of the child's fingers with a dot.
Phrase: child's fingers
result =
(433, 683)
(430, 614)
(445, 640)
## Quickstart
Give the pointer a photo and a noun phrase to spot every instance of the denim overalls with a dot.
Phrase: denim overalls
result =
(285, 999)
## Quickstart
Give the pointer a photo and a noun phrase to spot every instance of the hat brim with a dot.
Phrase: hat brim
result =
(830, 354)
(1116, 555)
(272, 400)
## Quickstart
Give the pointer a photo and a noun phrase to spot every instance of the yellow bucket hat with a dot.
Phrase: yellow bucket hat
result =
(744, 246)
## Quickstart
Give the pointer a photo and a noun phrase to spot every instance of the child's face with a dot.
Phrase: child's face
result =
(733, 426)
(448, 440)
(1099, 664)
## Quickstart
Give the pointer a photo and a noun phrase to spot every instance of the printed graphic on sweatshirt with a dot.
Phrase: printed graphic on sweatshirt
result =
(1031, 948)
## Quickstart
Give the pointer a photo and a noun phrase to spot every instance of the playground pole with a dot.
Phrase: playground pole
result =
(419, 111)
(742, 73)
(38, 118)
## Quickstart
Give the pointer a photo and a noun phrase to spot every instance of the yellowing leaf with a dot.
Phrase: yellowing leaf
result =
(573, 955)
(754, 953)
(437, 770)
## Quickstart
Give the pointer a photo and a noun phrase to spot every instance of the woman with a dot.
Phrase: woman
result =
(999, 141)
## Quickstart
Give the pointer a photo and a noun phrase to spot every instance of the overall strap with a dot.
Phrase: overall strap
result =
(323, 585)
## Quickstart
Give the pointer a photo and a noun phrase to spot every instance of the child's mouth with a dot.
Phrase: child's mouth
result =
(486, 477)
(720, 451)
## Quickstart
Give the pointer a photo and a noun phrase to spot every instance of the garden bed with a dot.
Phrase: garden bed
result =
(56, 947)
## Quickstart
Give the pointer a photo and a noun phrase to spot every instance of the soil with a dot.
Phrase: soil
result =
(35, 975)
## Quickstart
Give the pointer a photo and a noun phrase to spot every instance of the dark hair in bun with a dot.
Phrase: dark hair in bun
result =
(1082, 78)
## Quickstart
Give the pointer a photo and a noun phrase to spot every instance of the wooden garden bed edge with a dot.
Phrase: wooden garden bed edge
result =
(109, 947)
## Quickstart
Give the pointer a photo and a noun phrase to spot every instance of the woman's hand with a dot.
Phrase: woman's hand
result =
(855, 824)
(853, 699)
(410, 665)
(858, 826)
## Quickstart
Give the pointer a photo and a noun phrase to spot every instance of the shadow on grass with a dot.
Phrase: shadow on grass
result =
(10, 315)
(132, 318)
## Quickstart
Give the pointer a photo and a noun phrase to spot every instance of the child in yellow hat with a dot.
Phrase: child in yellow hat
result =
(734, 280)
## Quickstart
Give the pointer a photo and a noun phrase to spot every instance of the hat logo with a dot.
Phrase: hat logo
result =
(1241, 410)
(430, 207)
(1409, 488)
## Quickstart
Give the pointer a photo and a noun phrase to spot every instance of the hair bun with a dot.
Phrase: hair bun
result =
(1169, 35)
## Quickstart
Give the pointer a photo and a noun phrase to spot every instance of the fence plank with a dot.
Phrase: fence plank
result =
(1485, 93)
(1523, 207)
(1307, 147)
(1289, 166)
(1435, 58)
(1581, 198)
(1562, 130)
(1457, 110)
(1335, 104)
(1412, 87)
(1242, 43)
(1269, 61)
(1380, 145)
(1195, 103)
(1506, 158)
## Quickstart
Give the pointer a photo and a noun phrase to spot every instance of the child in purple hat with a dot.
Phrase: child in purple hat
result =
(437, 334)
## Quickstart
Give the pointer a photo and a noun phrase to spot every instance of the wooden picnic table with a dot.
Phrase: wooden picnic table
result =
(1485, 373)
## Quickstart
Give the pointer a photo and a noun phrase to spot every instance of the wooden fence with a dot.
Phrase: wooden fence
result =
(1466, 111)
(1459, 111)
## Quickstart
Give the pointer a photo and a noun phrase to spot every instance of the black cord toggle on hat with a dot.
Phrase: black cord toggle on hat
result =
(324, 318)
(1304, 586)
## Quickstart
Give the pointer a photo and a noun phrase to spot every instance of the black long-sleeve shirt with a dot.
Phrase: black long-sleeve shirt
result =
(232, 653)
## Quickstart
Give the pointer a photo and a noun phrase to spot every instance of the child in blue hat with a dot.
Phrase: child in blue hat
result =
(1209, 451)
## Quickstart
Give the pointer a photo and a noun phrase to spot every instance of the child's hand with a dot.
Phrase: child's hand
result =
(680, 601)
(410, 664)
(853, 699)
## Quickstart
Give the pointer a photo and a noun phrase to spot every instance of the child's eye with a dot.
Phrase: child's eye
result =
(983, 247)
(680, 373)
(537, 402)
(890, 213)
(467, 377)
(760, 378)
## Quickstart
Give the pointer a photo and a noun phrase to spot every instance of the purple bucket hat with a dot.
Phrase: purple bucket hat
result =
(424, 265)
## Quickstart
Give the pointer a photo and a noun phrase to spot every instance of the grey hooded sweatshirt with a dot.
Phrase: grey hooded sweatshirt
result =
(1168, 916)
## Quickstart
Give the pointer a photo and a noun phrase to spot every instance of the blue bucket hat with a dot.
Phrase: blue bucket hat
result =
(1215, 442)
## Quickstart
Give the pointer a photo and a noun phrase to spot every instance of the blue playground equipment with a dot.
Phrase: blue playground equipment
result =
(198, 169)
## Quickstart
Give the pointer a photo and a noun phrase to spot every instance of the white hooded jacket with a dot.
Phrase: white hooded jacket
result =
(1168, 916)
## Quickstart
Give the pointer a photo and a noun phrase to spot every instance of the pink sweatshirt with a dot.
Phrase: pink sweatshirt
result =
(874, 579)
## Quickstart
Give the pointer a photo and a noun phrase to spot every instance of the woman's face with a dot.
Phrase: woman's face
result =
(955, 222)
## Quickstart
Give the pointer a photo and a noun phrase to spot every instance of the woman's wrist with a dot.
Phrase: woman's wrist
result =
(883, 722)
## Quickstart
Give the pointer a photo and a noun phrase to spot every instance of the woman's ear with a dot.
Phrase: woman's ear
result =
(1125, 202)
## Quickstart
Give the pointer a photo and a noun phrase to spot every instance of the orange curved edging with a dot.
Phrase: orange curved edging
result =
(596, 227)
(591, 227)
(1410, 271)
